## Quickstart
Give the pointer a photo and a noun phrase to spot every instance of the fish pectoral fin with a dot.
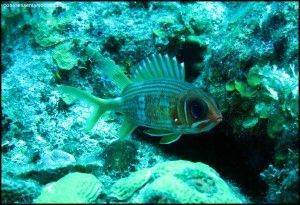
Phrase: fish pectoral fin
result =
(169, 139)
(126, 129)
(159, 133)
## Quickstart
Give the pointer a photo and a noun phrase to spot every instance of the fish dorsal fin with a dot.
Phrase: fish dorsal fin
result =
(159, 67)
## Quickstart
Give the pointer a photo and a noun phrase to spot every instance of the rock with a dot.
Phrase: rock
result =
(56, 158)
(75, 187)
(18, 191)
(45, 175)
(175, 182)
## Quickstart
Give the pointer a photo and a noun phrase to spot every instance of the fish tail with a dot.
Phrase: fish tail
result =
(100, 106)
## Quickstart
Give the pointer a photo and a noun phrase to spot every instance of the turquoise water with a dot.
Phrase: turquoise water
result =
(242, 55)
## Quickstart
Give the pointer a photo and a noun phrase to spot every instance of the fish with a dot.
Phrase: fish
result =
(156, 96)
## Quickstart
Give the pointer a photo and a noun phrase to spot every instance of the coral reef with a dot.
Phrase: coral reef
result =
(283, 182)
(245, 54)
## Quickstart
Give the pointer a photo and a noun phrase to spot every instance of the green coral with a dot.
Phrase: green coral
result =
(49, 28)
(75, 187)
(250, 122)
(254, 78)
(47, 32)
(243, 89)
(263, 110)
(230, 85)
(64, 57)
(276, 93)
(46, 36)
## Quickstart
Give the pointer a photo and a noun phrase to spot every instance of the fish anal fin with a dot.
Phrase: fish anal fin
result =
(169, 139)
(126, 129)
(159, 133)
(94, 117)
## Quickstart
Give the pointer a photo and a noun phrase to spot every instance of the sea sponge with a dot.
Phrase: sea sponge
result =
(75, 187)
(120, 156)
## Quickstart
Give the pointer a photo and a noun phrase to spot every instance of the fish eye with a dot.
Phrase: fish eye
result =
(198, 109)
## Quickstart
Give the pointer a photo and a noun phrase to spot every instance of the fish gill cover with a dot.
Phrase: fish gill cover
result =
(242, 57)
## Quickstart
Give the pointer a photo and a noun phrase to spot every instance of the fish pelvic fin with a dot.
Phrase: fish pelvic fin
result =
(167, 136)
(113, 71)
(127, 128)
(169, 139)
(100, 106)
(158, 133)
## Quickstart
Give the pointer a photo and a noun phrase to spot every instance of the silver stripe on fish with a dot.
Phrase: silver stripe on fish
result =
(159, 83)
(196, 124)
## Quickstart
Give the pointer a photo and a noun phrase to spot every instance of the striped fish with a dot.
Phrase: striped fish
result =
(156, 97)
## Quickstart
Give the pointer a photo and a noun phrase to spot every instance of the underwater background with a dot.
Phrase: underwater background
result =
(244, 54)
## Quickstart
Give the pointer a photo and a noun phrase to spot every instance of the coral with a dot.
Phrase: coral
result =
(63, 56)
(5, 123)
(14, 20)
(283, 182)
(125, 187)
(114, 43)
(175, 182)
(49, 28)
(120, 155)
(18, 191)
(276, 96)
(46, 36)
(194, 63)
(161, 191)
(75, 187)
(250, 61)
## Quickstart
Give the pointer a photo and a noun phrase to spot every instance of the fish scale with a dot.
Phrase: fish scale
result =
(159, 102)
(156, 113)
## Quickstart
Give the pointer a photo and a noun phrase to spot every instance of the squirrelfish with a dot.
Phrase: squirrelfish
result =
(157, 97)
